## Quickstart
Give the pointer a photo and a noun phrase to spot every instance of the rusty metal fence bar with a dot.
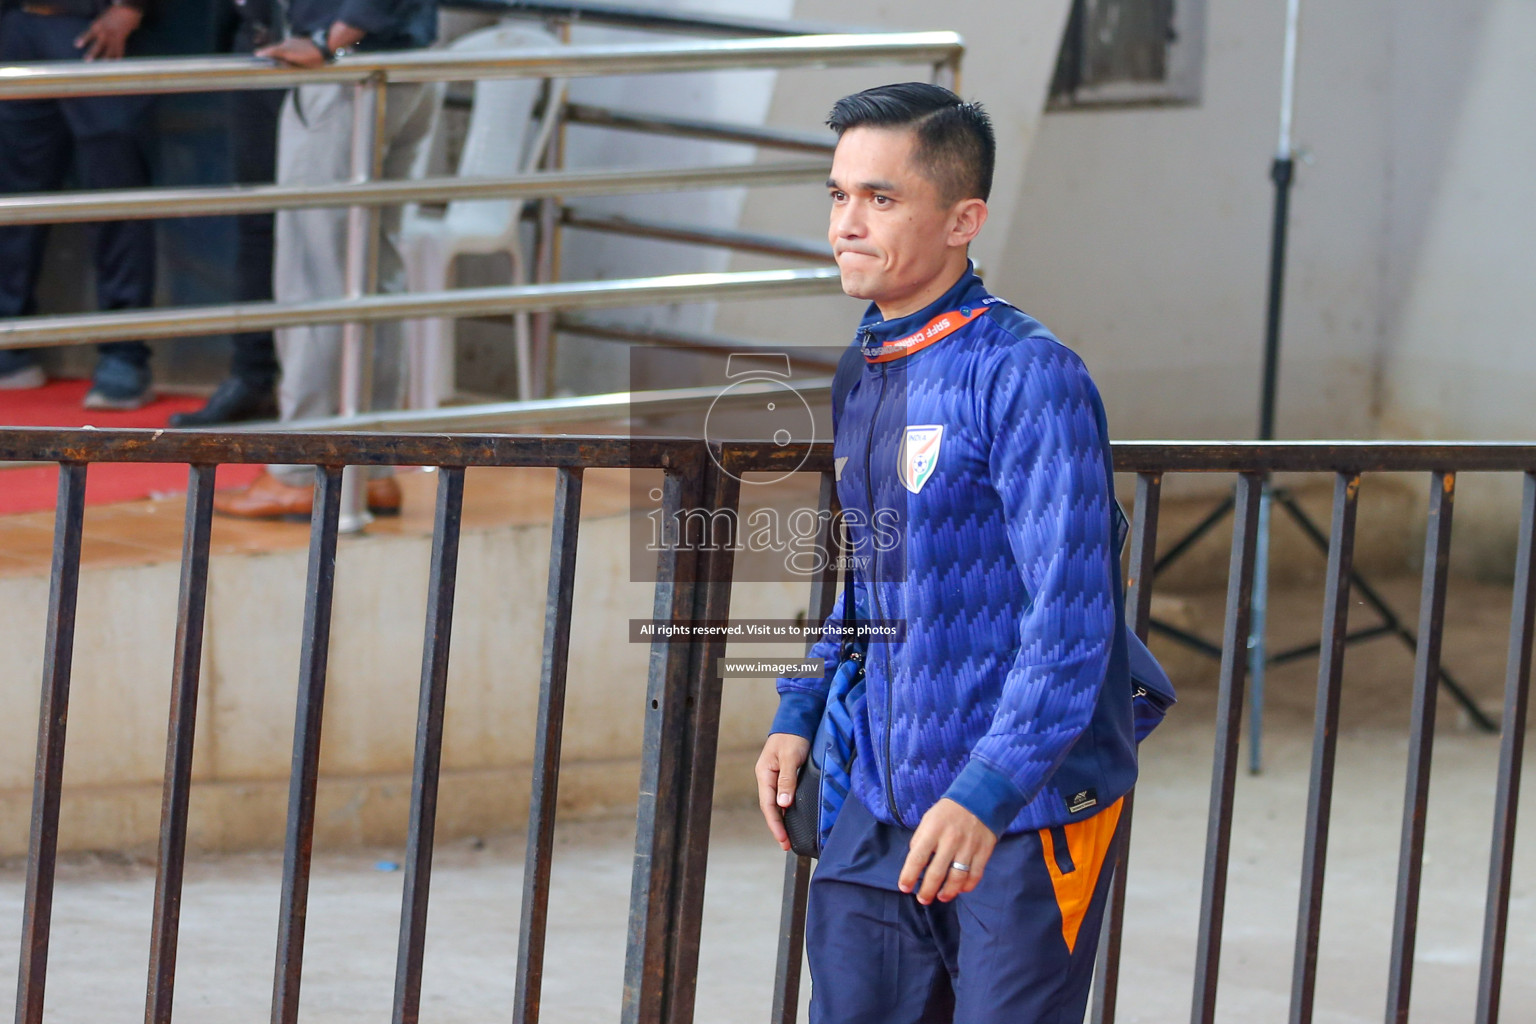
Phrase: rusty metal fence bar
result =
(683, 699)
(1325, 737)
(1517, 701)
(185, 677)
(538, 860)
(52, 716)
(1138, 610)
(429, 744)
(303, 778)
(1426, 686)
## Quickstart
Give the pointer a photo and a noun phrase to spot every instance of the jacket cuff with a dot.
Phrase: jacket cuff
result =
(368, 15)
(988, 794)
(799, 714)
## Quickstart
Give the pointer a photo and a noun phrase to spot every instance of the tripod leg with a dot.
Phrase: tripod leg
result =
(1256, 647)
(1189, 540)
(1369, 594)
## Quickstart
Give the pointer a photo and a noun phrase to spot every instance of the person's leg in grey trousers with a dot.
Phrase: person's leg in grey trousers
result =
(309, 261)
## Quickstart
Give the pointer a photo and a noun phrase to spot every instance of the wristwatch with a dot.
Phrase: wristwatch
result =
(321, 37)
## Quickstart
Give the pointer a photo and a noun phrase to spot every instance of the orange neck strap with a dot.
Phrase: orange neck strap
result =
(935, 330)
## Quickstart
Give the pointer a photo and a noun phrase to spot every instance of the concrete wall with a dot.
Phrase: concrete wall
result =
(1143, 234)
(1142, 238)
(1458, 359)
(115, 756)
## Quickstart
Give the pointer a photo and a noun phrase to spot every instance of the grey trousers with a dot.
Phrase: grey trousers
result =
(309, 260)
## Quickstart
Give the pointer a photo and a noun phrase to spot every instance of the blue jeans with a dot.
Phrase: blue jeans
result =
(103, 139)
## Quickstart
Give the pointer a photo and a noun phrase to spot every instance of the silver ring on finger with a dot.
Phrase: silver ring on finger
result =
(960, 867)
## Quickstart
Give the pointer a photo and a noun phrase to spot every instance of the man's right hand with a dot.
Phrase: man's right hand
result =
(777, 767)
(107, 36)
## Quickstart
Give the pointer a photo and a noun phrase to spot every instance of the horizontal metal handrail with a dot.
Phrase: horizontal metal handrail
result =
(696, 128)
(405, 448)
(655, 336)
(203, 74)
(697, 234)
(154, 203)
(513, 417)
(647, 18)
(149, 324)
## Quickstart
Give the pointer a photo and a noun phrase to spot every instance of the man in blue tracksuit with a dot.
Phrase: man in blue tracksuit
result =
(966, 876)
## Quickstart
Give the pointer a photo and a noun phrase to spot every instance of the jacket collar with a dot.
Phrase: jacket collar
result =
(966, 295)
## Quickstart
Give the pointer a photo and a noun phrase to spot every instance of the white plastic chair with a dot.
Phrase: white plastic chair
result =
(497, 145)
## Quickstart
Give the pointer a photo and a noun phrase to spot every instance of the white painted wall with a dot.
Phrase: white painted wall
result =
(1009, 59)
(1143, 234)
(1458, 359)
(1142, 237)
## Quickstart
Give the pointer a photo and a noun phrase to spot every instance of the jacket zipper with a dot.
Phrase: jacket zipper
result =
(874, 587)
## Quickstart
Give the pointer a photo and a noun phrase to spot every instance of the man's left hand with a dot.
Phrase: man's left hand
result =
(295, 51)
(107, 38)
(300, 52)
(947, 835)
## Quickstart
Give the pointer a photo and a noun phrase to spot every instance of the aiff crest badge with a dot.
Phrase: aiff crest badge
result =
(919, 455)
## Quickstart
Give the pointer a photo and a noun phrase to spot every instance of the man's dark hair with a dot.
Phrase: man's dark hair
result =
(955, 144)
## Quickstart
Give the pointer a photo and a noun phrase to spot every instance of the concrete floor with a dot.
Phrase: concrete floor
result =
(230, 905)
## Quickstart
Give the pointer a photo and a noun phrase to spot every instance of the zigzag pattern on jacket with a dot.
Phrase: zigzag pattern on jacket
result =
(1010, 691)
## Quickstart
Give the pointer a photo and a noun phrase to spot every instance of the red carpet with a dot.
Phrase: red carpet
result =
(31, 488)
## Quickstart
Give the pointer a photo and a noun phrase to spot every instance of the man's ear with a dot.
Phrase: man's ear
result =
(966, 221)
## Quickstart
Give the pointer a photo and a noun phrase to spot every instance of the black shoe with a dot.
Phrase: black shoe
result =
(235, 400)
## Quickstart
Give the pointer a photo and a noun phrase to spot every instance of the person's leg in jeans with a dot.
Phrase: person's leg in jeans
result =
(125, 264)
(34, 155)
(111, 137)
(250, 390)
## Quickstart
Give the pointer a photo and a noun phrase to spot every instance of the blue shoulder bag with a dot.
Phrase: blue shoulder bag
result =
(826, 777)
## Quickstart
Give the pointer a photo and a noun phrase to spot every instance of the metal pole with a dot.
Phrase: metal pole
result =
(548, 235)
(362, 269)
(1257, 652)
(1281, 173)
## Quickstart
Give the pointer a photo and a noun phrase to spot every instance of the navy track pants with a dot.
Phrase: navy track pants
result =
(1019, 949)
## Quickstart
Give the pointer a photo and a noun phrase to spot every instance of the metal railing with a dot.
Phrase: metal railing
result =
(369, 74)
(682, 713)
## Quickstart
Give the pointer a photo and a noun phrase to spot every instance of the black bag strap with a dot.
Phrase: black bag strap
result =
(848, 368)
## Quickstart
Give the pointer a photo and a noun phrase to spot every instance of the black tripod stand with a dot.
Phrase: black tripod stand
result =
(1282, 173)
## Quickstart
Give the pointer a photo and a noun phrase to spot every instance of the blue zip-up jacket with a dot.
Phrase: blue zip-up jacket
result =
(976, 475)
(390, 24)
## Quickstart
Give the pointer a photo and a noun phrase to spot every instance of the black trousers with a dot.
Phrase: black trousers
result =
(253, 118)
(104, 139)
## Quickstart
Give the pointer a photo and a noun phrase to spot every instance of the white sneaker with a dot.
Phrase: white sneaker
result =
(22, 379)
(101, 401)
